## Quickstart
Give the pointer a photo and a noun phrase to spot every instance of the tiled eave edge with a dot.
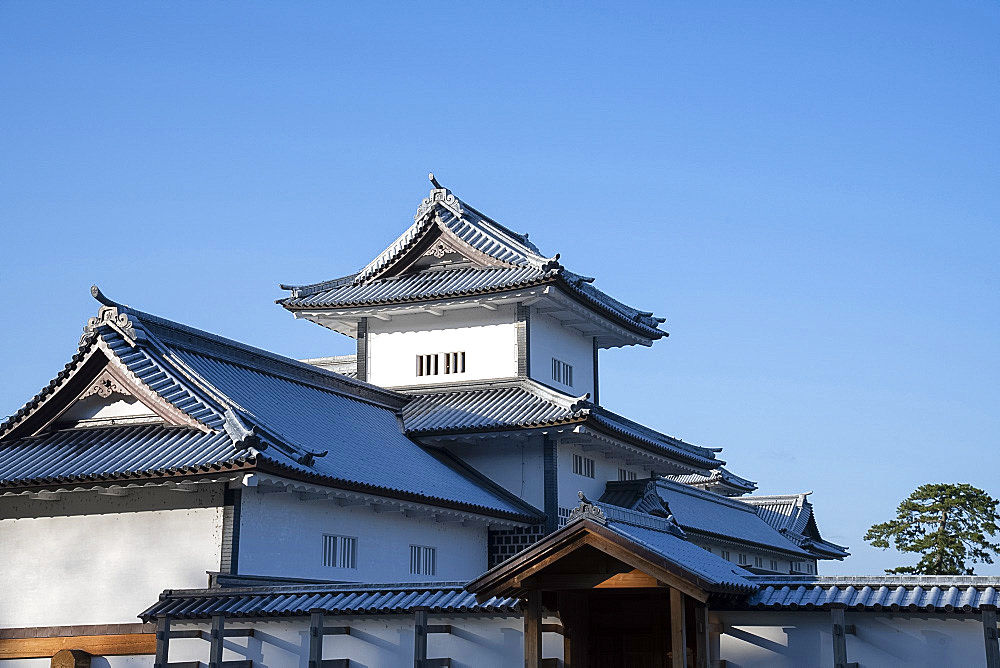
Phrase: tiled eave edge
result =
(551, 278)
(738, 543)
(693, 462)
(243, 465)
(275, 468)
(101, 480)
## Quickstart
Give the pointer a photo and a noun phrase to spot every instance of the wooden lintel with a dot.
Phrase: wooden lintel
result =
(634, 560)
(438, 628)
(554, 628)
(633, 579)
(336, 630)
(98, 645)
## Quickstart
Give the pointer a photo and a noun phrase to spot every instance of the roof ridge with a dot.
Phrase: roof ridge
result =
(279, 365)
(704, 494)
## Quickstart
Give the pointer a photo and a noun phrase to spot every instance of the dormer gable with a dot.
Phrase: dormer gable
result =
(98, 389)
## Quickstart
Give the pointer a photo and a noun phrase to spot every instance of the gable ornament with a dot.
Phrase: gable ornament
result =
(587, 510)
(104, 386)
(438, 195)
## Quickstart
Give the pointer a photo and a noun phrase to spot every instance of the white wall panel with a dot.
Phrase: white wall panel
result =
(488, 339)
(91, 559)
(282, 535)
(550, 339)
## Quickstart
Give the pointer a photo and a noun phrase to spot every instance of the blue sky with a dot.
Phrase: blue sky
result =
(808, 191)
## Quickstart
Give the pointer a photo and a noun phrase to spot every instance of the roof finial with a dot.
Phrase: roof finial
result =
(100, 296)
(434, 182)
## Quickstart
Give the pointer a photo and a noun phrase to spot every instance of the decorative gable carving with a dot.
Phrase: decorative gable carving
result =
(104, 386)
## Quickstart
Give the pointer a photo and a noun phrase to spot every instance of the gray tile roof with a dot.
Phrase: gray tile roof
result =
(313, 423)
(519, 265)
(793, 516)
(525, 404)
(722, 517)
(345, 365)
(333, 599)
(721, 478)
(715, 570)
(912, 593)
(115, 452)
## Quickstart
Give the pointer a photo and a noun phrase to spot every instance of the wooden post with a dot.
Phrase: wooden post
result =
(701, 659)
(990, 635)
(839, 636)
(218, 633)
(316, 638)
(678, 639)
(533, 630)
(162, 642)
(419, 637)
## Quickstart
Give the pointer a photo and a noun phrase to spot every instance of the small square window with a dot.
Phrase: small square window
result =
(340, 551)
(562, 372)
(583, 466)
(423, 560)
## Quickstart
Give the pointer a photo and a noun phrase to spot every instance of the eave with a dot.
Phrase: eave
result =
(549, 292)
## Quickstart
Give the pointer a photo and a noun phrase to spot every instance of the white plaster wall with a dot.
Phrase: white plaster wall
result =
(550, 339)
(384, 641)
(90, 559)
(605, 469)
(517, 466)
(800, 639)
(488, 338)
(282, 535)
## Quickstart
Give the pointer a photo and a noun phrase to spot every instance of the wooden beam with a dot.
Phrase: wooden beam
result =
(419, 637)
(628, 557)
(533, 630)
(990, 636)
(98, 645)
(678, 637)
(839, 637)
(631, 580)
(702, 643)
(316, 631)
(218, 634)
(162, 642)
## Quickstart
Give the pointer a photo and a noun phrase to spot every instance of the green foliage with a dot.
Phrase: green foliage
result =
(948, 524)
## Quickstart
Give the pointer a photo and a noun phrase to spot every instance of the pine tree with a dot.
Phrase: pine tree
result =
(948, 524)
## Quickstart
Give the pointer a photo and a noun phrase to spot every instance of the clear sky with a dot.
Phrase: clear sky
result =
(808, 191)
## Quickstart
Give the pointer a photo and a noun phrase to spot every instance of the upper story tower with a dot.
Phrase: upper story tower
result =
(458, 297)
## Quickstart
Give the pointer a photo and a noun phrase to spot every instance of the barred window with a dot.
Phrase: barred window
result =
(583, 466)
(423, 560)
(758, 562)
(774, 564)
(435, 364)
(340, 551)
(743, 560)
(625, 474)
(562, 372)
(725, 554)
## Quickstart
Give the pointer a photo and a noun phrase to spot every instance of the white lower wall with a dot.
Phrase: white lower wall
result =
(475, 642)
(91, 559)
(281, 535)
(517, 466)
(800, 639)
(787, 639)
